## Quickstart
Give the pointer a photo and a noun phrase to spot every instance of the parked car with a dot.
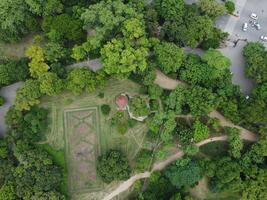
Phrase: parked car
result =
(257, 25)
(254, 16)
(264, 38)
(245, 26)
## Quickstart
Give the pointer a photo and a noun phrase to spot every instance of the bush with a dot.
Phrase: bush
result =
(113, 166)
(2, 100)
(105, 109)
(230, 6)
(143, 160)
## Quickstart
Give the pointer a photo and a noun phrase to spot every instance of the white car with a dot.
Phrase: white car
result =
(254, 16)
(263, 38)
(245, 27)
(257, 25)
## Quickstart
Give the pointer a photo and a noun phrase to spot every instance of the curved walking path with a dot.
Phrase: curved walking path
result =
(163, 164)
(170, 84)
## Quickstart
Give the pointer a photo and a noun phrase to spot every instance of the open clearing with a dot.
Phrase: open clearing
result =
(77, 126)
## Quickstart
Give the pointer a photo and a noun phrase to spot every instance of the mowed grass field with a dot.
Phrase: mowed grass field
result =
(77, 127)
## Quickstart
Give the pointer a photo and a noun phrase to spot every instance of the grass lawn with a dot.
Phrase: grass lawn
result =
(78, 128)
(215, 149)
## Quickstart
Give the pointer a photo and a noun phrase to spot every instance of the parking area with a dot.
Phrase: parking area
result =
(233, 25)
(258, 7)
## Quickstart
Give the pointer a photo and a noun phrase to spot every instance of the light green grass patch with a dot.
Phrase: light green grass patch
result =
(63, 125)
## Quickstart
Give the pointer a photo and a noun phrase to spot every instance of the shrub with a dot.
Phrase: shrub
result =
(2, 100)
(105, 109)
(142, 160)
(113, 166)
(230, 7)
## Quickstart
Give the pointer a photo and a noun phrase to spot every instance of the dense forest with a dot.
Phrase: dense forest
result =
(134, 40)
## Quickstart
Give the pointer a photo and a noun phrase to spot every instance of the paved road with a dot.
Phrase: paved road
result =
(9, 93)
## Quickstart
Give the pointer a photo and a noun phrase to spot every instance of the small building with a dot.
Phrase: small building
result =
(122, 102)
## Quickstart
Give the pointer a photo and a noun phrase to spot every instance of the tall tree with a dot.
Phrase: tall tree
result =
(169, 56)
(15, 20)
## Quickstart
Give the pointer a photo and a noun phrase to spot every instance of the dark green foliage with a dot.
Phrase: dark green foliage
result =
(63, 28)
(255, 184)
(58, 69)
(15, 20)
(113, 165)
(155, 91)
(143, 160)
(28, 125)
(200, 101)
(184, 175)
(2, 100)
(185, 136)
(159, 187)
(151, 19)
(45, 8)
(13, 71)
(171, 10)
(230, 6)
(235, 142)
(227, 175)
(255, 55)
(105, 109)
(214, 42)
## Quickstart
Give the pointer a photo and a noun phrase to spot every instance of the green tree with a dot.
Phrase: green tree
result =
(15, 20)
(200, 101)
(105, 19)
(120, 58)
(201, 131)
(184, 175)
(28, 95)
(212, 8)
(7, 192)
(82, 79)
(169, 56)
(54, 52)
(154, 91)
(230, 6)
(37, 64)
(45, 8)
(255, 56)
(13, 71)
(139, 106)
(171, 10)
(63, 28)
(50, 84)
(235, 142)
(255, 184)
(216, 59)
(105, 109)
(113, 166)
(227, 176)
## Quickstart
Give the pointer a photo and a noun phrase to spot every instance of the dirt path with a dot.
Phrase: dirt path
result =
(93, 65)
(170, 84)
(166, 82)
(163, 164)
